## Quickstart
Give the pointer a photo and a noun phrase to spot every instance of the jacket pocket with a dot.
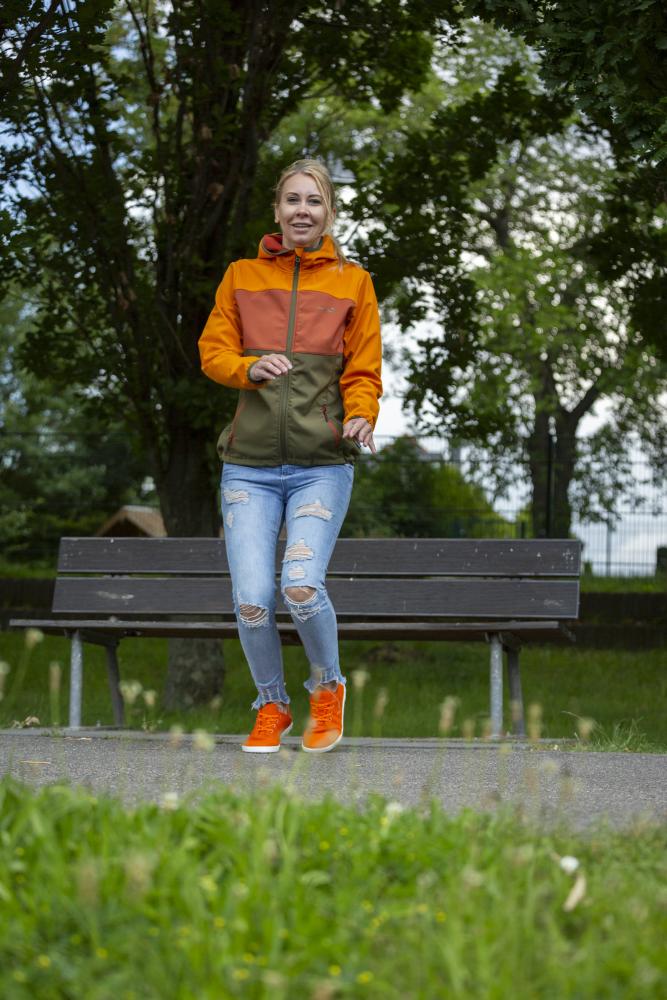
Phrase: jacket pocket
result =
(335, 426)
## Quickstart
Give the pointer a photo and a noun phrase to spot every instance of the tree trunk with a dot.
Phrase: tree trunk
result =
(540, 478)
(552, 459)
(188, 499)
(565, 455)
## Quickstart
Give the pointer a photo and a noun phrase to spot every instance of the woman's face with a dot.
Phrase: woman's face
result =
(301, 212)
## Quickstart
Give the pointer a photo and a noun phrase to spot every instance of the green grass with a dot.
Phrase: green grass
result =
(656, 584)
(268, 897)
(622, 690)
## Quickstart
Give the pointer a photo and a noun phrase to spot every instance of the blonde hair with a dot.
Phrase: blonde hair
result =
(322, 178)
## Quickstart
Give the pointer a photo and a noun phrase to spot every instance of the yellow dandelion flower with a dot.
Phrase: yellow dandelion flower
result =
(208, 884)
(335, 970)
(219, 922)
(43, 961)
(240, 974)
(440, 917)
(364, 977)
(324, 845)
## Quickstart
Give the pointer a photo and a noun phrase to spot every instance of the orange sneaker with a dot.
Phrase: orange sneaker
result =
(270, 725)
(325, 727)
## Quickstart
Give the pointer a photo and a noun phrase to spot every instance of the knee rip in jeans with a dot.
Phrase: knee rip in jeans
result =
(253, 616)
(302, 602)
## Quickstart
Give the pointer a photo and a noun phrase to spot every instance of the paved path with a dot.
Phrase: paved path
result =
(581, 788)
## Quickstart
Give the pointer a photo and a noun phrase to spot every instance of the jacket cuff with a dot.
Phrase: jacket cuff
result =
(253, 383)
(350, 416)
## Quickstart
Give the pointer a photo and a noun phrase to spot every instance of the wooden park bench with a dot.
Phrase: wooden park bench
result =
(503, 592)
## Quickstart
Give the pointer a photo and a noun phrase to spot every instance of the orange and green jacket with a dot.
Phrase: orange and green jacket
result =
(299, 303)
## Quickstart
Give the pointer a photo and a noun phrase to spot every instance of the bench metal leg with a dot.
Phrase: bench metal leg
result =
(75, 681)
(496, 686)
(114, 685)
(516, 695)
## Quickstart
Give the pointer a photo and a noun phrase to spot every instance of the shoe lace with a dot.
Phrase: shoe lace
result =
(265, 724)
(323, 711)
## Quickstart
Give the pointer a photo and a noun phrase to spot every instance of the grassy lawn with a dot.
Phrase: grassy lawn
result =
(623, 691)
(656, 584)
(271, 897)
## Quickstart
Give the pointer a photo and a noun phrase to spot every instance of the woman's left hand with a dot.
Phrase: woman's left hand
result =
(361, 431)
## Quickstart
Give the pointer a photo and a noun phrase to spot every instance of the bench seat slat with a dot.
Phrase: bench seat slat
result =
(382, 598)
(380, 630)
(358, 557)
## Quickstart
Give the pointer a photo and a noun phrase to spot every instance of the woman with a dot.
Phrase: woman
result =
(297, 332)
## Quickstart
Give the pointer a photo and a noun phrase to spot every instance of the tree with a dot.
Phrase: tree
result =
(65, 468)
(134, 134)
(551, 335)
(404, 491)
(611, 60)
(555, 339)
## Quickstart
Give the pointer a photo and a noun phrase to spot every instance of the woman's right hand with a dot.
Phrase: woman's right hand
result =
(269, 367)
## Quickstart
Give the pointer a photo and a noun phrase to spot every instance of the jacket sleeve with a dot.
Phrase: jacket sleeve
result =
(361, 381)
(221, 343)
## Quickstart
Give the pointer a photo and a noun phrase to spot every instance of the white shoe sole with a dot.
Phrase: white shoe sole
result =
(267, 749)
(338, 739)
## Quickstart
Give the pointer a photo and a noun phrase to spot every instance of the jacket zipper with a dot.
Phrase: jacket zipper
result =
(285, 385)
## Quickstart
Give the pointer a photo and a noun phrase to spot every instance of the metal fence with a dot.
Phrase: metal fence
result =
(625, 541)
(628, 539)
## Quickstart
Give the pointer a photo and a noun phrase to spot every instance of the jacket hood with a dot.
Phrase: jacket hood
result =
(271, 247)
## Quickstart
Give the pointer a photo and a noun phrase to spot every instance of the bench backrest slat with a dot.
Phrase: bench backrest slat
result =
(442, 598)
(357, 557)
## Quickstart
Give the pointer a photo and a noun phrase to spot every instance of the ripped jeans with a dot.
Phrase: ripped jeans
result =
(312, 501)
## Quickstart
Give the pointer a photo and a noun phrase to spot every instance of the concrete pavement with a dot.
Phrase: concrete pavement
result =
(579, 788)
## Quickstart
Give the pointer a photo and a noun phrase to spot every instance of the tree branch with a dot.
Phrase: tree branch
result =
(13, 66)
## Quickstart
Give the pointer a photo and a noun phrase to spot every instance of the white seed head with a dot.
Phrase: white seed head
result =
(380, 703)
(130, 691)
(201, 740)
(585, 727)
(55, 671)
(33, 636)
(359, 678)
(569, 864)
(176, 736)
(393, 809)
(447, 713)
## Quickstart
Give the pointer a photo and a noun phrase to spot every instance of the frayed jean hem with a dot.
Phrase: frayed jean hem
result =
(275, 693)
(324, 677)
